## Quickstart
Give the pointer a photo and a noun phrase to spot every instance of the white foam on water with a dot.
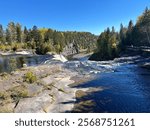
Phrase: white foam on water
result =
(92, 67)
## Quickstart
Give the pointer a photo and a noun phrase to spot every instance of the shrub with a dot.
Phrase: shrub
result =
(30, 77)
(4, 75)
(18, 92)
(4, 95)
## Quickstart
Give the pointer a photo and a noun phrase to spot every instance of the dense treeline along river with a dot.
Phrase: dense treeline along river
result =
(125, 85)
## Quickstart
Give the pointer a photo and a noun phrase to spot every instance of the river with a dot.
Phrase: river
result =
(12, 62)
(125, 87)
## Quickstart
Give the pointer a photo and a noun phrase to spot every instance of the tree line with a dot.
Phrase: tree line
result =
(111, 44)
(42, 40)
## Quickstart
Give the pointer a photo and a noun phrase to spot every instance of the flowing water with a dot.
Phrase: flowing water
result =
(125, 87)
(13, 62)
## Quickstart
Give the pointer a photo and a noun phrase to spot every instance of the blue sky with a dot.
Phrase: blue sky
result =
(80, 15)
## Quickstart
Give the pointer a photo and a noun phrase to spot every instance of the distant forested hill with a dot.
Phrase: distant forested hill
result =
(43, 40)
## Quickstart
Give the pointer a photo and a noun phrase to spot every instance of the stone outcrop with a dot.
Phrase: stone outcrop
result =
(59, 58)
(70, 49)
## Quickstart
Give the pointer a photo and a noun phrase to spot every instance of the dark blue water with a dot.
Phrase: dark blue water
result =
(125, 90)
(12, 62)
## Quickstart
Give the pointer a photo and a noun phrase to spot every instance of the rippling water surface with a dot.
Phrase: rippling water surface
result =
(125, 85)
(125, 89)
(13, 62)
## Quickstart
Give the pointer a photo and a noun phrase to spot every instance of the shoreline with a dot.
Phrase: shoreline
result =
(52, 92)
(55, 90)
(20, 52)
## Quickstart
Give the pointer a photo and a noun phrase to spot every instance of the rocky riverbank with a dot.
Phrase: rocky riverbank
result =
(56, 85)
(44, 88)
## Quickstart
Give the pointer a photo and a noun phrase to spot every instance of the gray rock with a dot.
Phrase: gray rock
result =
(24, 65)
(34, 89)
(70, 49)
(8, 108)
(48, 80)
(36, 104)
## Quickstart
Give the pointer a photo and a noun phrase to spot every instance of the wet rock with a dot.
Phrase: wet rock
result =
(80, 94)
(83, 105)
(94, 89)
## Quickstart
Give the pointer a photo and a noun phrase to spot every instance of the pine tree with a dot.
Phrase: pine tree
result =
(48, 35)
(18, 33)
(8, 37)
(36, 35)
(129, 40)
(141, 31)
(12, 31)
(122, 38)
(25, 35)
(113, 29)
(1, 34)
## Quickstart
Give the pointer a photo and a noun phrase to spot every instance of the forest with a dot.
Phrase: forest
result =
(111, 43)
(42, 40)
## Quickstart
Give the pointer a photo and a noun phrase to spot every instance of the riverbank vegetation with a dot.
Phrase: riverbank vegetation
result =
(42, 40)
(111, 43)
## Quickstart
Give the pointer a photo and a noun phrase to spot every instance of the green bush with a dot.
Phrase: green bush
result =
(30, 77)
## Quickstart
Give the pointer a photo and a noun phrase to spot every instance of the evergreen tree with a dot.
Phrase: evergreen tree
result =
(113, 29)
(107, 45)
(141, 31)
(25, 35)
(12, 31)
(44, 40)
(35, 34)
(129, 40)
(8, 37)
(18, 33)
(1, 34)
(37, 39)
(48, 35)
(122, 38)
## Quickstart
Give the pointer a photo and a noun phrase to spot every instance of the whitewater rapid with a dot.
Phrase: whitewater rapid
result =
(95, 67)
